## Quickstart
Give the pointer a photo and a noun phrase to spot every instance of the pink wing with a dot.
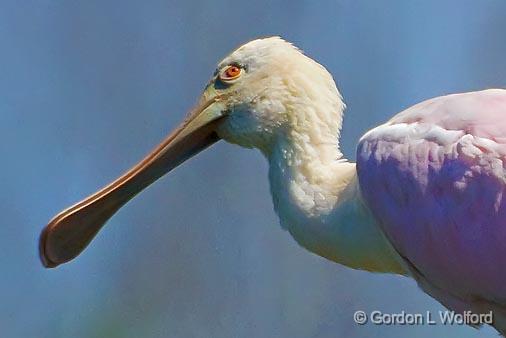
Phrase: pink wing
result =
(434, 176)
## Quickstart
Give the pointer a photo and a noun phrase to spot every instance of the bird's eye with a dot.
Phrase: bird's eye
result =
(230, 73)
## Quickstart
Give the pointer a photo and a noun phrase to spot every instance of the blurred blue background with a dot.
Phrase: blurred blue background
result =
(88, 87)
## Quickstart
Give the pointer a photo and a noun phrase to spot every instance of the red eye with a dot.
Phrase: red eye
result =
(230, 73)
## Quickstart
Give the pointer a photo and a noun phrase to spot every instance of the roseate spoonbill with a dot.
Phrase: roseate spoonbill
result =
(423, 200)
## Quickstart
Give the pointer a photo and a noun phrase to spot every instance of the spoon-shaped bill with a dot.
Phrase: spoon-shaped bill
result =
(68, 233)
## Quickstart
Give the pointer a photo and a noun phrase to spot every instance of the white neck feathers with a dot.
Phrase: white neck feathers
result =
(317, 198)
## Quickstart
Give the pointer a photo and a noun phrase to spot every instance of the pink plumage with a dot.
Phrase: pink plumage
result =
(434, 176)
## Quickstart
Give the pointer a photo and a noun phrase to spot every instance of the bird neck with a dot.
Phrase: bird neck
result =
(317, 198)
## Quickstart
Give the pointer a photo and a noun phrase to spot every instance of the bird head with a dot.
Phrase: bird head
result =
(263, 92)
(268, 89)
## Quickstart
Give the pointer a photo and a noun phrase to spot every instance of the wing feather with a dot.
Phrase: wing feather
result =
(435, 177)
